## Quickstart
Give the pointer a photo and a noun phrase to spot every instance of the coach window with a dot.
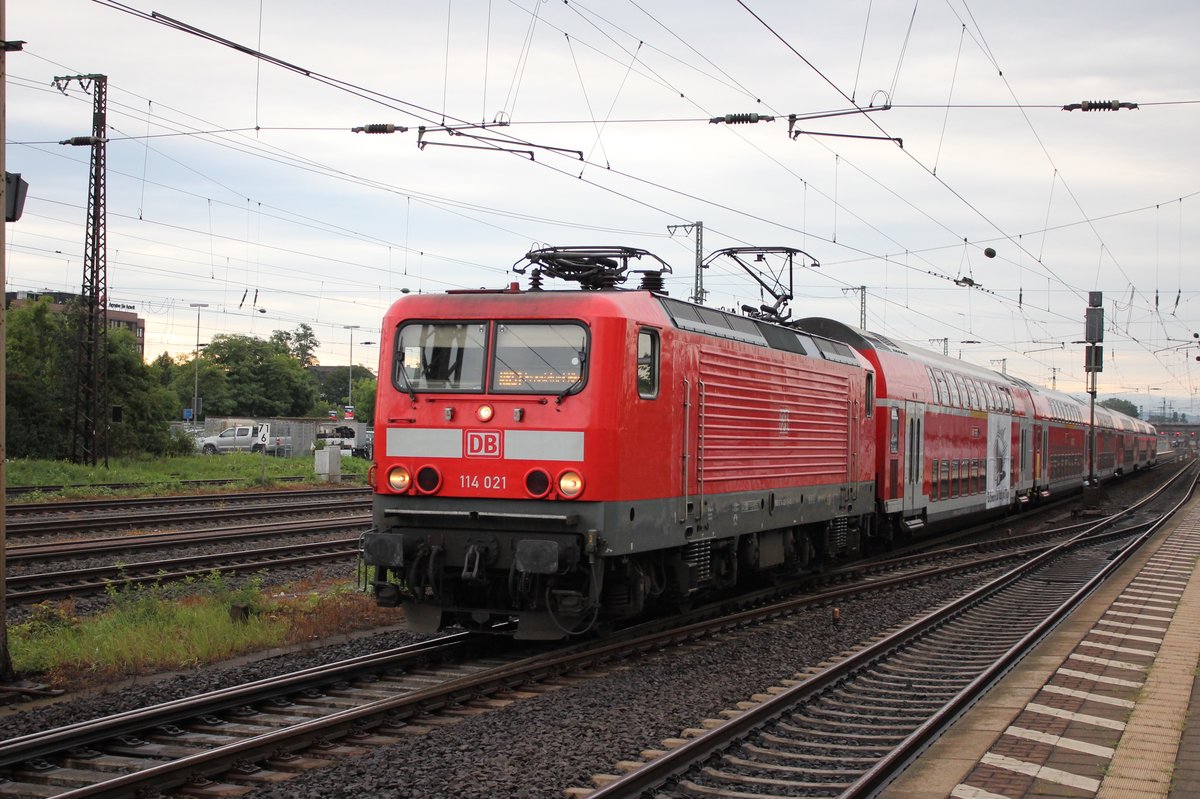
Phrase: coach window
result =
(943, 393)
(647, 364)
(972, 397)
(894, 437)
(870, 403)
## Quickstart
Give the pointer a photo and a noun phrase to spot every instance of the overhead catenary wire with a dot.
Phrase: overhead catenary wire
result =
(804, 228)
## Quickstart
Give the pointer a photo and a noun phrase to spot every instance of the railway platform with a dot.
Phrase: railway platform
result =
(1107, 706)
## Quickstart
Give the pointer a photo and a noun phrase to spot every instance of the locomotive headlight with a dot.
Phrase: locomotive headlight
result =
(570, 484)
(537, 483)
(399, 479)
(485, 412)
(429, 480)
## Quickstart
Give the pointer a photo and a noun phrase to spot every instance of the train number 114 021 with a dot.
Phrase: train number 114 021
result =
(488, 482)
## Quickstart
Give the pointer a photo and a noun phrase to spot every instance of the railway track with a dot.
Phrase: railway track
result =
(24, 589)
(125, 504)
(59, 551)
(266, 732)
(132, 560)
(72, 519)
(213, 482)
(848, 727)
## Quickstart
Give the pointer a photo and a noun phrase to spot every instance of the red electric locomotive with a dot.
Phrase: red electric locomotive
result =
(566, 457)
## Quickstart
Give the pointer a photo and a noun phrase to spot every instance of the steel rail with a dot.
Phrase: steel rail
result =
(888, 767)
(30, 553)
(212, 762)
(50, 742)
(124, 503)
(377, 713)
(696, 751)
(51, 525)
(24, 490)
(99, 578)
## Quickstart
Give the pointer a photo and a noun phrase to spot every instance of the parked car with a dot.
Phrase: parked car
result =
(245, 438)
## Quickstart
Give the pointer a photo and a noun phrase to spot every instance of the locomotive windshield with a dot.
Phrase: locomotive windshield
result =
(524, 357)
(440, 356)
(538, 358)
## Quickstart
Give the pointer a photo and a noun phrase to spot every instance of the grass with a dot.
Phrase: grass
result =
(172, 626)
(164, 475)
(159, 628)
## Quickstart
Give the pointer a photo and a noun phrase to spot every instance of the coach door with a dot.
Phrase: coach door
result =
(914, 447)
(1025, 462)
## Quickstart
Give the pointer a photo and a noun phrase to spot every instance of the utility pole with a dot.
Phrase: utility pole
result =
(196, 364)
(91, 372)
(1002, 363)
(6, 668)
(862, 309)
(945, 342)
(350, 387)
(698, 292)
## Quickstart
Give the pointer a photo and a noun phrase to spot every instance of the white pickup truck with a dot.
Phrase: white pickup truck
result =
(245, 438)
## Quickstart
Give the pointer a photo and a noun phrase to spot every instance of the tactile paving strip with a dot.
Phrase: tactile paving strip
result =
(1107, 722)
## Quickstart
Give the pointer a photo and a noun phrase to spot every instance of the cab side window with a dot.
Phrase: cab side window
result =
(647, 364)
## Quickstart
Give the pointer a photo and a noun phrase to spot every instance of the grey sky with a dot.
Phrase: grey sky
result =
(327, 226)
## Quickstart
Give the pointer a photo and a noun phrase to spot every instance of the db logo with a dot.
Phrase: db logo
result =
(483, 444)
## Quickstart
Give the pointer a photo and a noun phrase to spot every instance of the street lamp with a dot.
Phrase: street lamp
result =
(364, 344)
(350, 388)
(196, 363)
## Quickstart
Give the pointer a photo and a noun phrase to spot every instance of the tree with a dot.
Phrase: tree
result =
(146, 405)
(42, 352)
(364, 399)
(164, 369)
(305, 346)
(261, 378)
(302, 344)
(40, 372)
(1121, 406)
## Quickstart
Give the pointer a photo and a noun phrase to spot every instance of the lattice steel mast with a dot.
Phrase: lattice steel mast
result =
(89, 434)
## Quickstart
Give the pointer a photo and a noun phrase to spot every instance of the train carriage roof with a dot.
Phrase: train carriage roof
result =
(897, 361)
(902, 367)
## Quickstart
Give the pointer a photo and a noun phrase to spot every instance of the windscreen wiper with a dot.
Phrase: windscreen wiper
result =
(578, 381)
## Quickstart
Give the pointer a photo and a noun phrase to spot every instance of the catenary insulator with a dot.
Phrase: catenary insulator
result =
(1100, 105)
(742, 119)
(378, 127)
